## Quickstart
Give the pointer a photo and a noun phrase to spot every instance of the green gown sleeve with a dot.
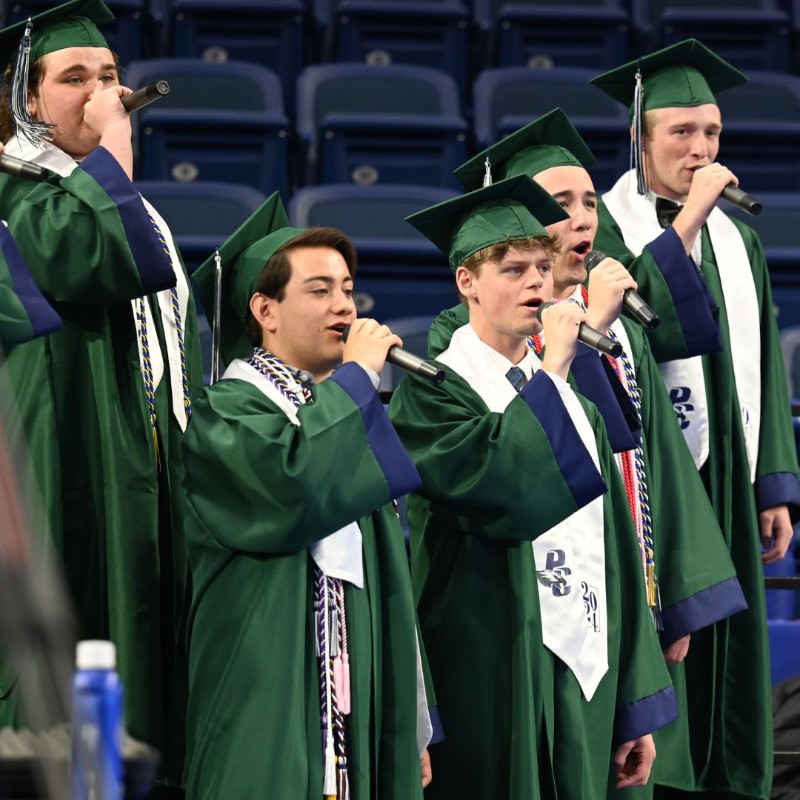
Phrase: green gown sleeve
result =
(472, 459)
(261, 484)
(87, 238)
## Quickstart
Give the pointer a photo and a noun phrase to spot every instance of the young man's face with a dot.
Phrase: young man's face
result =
(573, 189)
(305, 328)
(679, 141)
(505, 296)
(70, 77)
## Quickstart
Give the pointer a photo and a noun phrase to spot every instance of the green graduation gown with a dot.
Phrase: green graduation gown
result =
(516, 723)
(261, 491)
(114, 510)
(727, 744)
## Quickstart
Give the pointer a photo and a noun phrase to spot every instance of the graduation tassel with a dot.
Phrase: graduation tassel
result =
(636, 142)
(36, 132)
(487, 176)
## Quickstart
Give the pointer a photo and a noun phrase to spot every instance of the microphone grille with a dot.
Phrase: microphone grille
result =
(593, 258)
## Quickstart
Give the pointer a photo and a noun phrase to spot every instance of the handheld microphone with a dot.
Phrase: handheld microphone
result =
(589, 336)
(20, 168)
(631, 299)
(733, 194)
(408, 361)
(142, 97)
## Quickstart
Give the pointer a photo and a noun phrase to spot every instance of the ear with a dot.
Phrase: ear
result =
(465, 281)
(32, 106)
(263, 308)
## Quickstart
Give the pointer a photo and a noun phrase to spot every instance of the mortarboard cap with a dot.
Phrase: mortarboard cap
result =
(549, 141)
(685, 74)
(243, 257)
(516, 208)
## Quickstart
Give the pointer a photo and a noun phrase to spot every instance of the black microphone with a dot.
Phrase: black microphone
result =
(631, 299)
(591, 337)
(20, 168)
(733, 194)
(408, 361)
(141, 97)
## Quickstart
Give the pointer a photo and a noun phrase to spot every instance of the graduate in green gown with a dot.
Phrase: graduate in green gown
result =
(102, 404)
(731, 404)
(522, 544)
(298, 559)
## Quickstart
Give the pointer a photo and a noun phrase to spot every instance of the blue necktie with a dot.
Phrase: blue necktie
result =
(517, 378)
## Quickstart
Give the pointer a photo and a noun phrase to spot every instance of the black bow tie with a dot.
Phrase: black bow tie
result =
(666, 211)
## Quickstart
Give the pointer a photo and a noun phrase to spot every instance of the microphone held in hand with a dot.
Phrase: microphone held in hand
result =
(589, 336)
(733, 194)
(147, 94)
(408, 361)
(631, 299)
(20, 168)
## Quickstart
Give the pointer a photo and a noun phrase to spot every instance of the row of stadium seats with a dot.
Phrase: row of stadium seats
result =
(401, 124)
(459, 36)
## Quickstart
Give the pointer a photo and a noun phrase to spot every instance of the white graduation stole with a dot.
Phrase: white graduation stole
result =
(685, 380)
(339, 554)
(59, 162)
(570, 558)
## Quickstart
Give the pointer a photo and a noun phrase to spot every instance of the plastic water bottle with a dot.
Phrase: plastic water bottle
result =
(96, 772)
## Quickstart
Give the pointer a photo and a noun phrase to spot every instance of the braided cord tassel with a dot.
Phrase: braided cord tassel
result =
(147, 373)
(644, 520)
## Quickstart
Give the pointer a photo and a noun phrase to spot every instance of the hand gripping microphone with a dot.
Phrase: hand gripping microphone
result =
(141, 97)
(408, 361)
(634, 304)
(589, 336)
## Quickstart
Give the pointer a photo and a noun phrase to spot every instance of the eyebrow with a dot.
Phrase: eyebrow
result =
(569, 193)
(327, 279)
(85, 68)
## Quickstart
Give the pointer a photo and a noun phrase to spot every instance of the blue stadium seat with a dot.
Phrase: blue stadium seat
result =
(777, 225)
(374, 218)
(426, 33)
(761, 121)
(790, 348)
(784, 648)
(272, 33)
(219, 122)
(400, 273)
(751, 34)
(369, 124)
(507, 98)
(201, 215)
(125, 35)
(587, 33)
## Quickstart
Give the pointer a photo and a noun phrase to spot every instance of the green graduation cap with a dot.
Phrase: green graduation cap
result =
(549, 141)
(685, 74)
(72, 24)
(516, 208)
(226, 292)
